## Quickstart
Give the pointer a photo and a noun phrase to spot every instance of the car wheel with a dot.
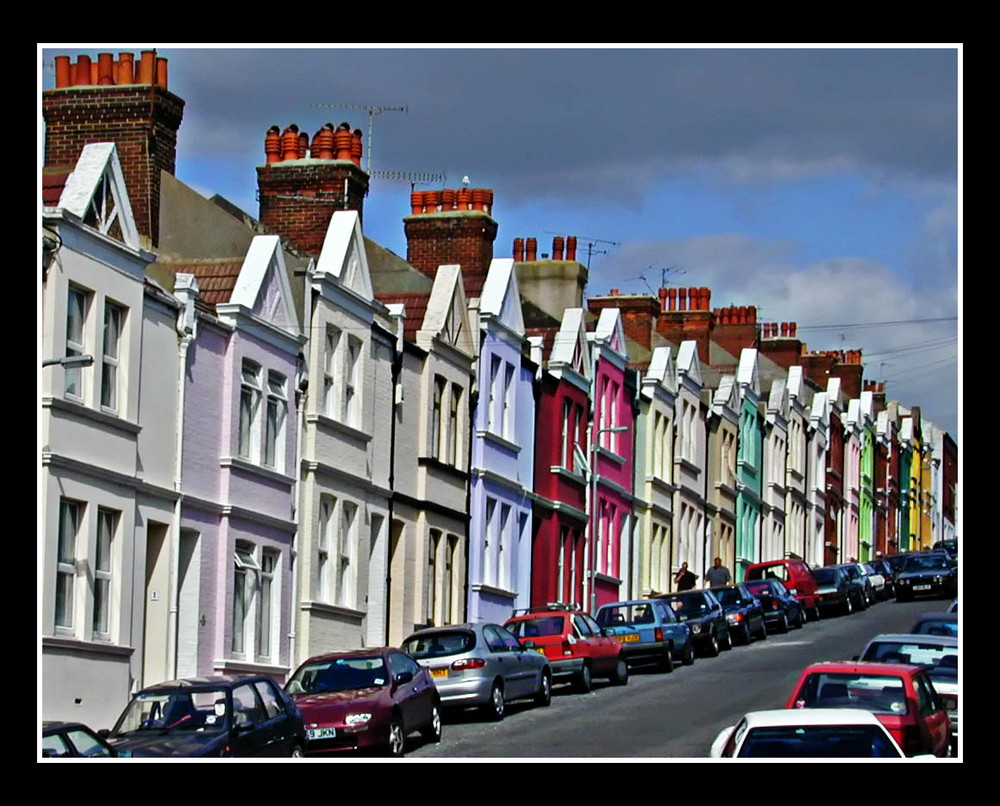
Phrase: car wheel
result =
(397, 738)
(800, 619)
(667, 661)
(432, 733)
(783, 624)
(727, 642)
(583, 680)
(712, 649)
(688, 657)
(848, 606)
(745, 636)
(763, 628)
(620, 675)
(544, 696)
(297, 751)
(495, 707)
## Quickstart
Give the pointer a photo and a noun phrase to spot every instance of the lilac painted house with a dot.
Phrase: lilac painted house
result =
(502, 464)
(238, 466)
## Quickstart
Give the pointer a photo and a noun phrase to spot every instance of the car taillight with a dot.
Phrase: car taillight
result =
(911, 739)
(658, 634)
(468, 663)
(950, 701)
(774, 604)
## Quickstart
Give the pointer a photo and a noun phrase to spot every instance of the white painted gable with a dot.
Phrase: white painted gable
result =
(726, 395)
(853, 411)
(263, 287)
(570, 346)
(868, 406)
(611, 331)
(501, 297)
(746, 372)
(687, 361)
(95, 191)
(661, 368)
(833, 390)
(343, 254)
(778, 400)
(795, 381)
(447, 313)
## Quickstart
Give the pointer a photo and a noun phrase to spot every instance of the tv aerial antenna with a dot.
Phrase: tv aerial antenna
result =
(417, 178)
(590, 244)
(372, 112)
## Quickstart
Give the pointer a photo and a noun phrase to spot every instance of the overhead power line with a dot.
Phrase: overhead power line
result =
(881, 324)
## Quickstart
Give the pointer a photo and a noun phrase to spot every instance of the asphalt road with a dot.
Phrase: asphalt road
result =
(674, 715)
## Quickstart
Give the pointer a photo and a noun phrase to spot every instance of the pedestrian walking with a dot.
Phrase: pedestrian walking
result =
(684, 579)
(717, 575)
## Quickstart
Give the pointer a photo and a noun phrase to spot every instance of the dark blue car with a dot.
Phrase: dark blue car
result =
(224, 715)
(649, 632)
(781, 608)
(743, 612)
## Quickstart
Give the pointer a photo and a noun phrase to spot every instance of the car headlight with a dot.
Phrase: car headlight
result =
(352, 720)
(695, 628)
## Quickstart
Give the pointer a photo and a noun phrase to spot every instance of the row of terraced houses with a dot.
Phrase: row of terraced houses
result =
(288, 439)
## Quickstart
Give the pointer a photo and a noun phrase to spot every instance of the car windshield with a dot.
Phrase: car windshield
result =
(939, 661)
(338, 674)
(818, 741)
(536, 627)
(439, 644)
(926, 563)
(629, 615)
(851, 571)
(878, 693)
(686, 607)
(825, 576)
(205, 710)
(936, 627)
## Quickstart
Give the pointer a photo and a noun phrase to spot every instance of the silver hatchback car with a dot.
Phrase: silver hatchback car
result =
(482, 666)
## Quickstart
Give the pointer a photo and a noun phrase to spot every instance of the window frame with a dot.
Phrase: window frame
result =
(73, 376)
(66, 564)
(275, 434)
(102, 620)
(248, 434)
(112, 364)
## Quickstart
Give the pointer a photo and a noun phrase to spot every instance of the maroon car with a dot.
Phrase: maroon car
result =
(365, 699)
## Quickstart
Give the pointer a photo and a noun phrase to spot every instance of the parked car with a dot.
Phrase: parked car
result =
(895, 562)
(703, 614)
(795, 575)
(835, 591)
(900, 695)
(811, 733)
(481, 665)
(885, 569)
(365, 699)
(926, 574)
(937, 654)
(936, 624)
(743, 610)
(877, 580)
(649, 633)
(73, 740)
(781, 609)
(575, 645)
(224, 715)
(859, 579)
(950, 546)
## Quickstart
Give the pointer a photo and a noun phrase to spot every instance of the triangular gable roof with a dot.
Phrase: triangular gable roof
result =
(853, 411)
(95, 192)
(500, 297)
(610, 330)
(447, 313)
(746, 371)
(778, 399)
(727, 395)
(883, 424)
(687, 361)
(833, 390)
(343, 255)
(661, 368)
(868, 406)
(795, 381)
(820, 408)
(570, 346)
(262, 285)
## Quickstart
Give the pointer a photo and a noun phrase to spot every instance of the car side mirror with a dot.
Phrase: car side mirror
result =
(104, 733)
(403, 678)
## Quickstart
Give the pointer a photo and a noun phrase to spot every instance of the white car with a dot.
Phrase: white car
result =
(877, 581)
(807, 733)
(938, 654)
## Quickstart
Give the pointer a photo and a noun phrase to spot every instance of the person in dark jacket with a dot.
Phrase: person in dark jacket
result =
(685, 579)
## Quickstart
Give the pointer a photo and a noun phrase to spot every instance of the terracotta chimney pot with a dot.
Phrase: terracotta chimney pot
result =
(557, 247)
(105, 68)
(519, 250)
(147, 67)
(356, 149)
(161, 72)
(126, 68)
(64, 72)
(530, 249)
(448, 197)
(571, 248)
(81, 74)
(272, 145)
(662, 294)
(672, 294)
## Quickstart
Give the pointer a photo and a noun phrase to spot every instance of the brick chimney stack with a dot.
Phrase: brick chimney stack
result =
(452, 226)
(736, 328)
(553, 284)
(686, 314)
(123, 101)
(784, 349)
(639, 313)
(302, 184)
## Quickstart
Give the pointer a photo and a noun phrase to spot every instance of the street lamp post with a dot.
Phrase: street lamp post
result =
(591, 467)
(69, 361)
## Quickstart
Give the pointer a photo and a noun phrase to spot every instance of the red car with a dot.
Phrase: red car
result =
(795, 576)
(901, 696)
(368, 698)
(575, 645)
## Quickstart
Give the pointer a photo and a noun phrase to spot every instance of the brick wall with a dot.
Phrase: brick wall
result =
(298, 198)
(463, 237)
(142, 121)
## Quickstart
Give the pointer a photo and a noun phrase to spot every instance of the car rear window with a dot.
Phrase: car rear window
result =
(878, 693)
(439, 644)
(818, 741)
(760, 588)
(628, 615)
(536, 627)
(935, 627)
(686, 607)
(779, 572)
(729, 596)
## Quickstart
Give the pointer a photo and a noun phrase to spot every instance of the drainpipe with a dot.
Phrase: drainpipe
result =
(186, 290)
(397, 370)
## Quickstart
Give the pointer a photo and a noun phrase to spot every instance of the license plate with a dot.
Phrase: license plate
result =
(921, 587)
(439, 672)
(321, 733)
(628, 638)
(539, 650)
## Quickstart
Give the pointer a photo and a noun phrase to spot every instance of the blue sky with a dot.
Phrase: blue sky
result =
(821, 184)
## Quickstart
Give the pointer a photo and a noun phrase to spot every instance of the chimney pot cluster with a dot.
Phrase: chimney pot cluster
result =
(736, 315)
(109, 71)
(328, 143)
(772, 330)
(450, 199)
(682, 299)
(562, 249)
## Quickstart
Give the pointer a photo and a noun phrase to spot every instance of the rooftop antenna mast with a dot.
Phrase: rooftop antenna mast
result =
(372, 112)
(419, 178)
(590, 245)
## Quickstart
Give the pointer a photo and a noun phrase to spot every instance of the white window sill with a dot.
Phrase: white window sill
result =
(499, 440)
(249, 467)
(331, 424)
